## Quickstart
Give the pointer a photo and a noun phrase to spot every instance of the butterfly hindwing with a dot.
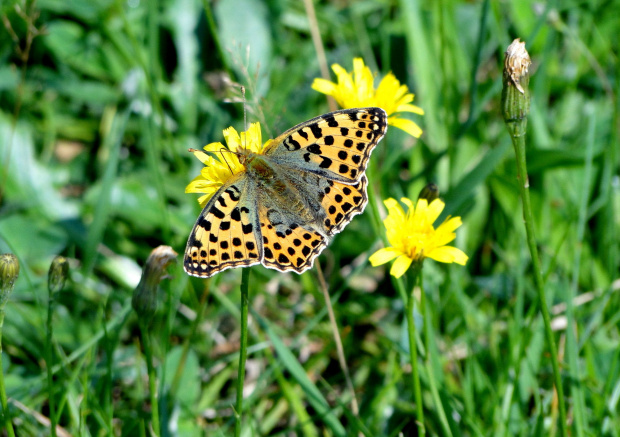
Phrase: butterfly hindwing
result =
(224, 235)
(335, 145)
(332, 204)
(290, 241)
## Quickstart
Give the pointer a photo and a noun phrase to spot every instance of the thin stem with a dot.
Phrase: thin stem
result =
(413, 354)
(148, 354)
(515, 108)
(6, 417)
(318, 46)
(108, 407)
(517, 129)
(430, 366)
(339, 348)
(49, 364)
(243, 352)
(186, 344)
(519, 145)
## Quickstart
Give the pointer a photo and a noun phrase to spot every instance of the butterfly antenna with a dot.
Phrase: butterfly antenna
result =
(222, 150)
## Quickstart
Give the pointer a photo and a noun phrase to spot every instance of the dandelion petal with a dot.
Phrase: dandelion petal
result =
(400, 266)
(407, 125)
(323, 86)
(410, 108)
(448, 254)
(382, 256)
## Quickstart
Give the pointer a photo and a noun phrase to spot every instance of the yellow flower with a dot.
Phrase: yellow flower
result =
(225, 164)
(356, 90)
(414, 238)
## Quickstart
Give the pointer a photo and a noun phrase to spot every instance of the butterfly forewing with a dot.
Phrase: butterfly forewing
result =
(342, 202)
(335, 145)
(225, 235)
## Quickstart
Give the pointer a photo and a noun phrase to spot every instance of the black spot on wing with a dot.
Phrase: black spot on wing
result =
(217, 212)
(234, 193)
(291, 144)
(314, 148)
(193, 242)
(316, 130)
(326, 163)
(331, 121)
(205, 224)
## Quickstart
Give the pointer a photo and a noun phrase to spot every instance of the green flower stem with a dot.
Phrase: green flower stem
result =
(516, 106)
(6, 417)
(186, 344)
(243, 352)
(413, 353)
(49, 364)
(432, 383)
(57, 276)
(148, 354)
(519, 145)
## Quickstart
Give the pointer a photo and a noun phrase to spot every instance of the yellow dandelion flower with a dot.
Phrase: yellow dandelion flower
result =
(356, 90)
(220, 165)
(414, 238)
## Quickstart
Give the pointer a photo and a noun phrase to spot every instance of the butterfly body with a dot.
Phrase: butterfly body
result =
(282, 209)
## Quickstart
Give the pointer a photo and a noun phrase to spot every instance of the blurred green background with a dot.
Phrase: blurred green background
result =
(99, 102)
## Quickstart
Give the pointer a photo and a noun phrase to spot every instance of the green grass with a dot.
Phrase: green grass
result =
(94, 131)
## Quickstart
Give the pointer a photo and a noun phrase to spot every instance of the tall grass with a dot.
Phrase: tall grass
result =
(95, 123)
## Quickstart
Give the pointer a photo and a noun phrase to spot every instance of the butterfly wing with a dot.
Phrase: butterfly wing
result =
(225, 234)
(291, 239)
(295, 232)
(341, 202)
(335, 145)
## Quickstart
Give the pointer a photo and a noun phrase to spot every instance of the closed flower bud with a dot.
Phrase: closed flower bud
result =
(144, 300)
(9, 271)
(430, 192)
(57, 275)
(515, 93)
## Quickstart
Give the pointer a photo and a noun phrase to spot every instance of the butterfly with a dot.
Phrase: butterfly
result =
(282, 209)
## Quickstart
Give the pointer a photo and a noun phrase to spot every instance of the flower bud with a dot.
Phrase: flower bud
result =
(144, 300)
(57, 275)
(516, 94)
(9, 271)
(430, 192)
